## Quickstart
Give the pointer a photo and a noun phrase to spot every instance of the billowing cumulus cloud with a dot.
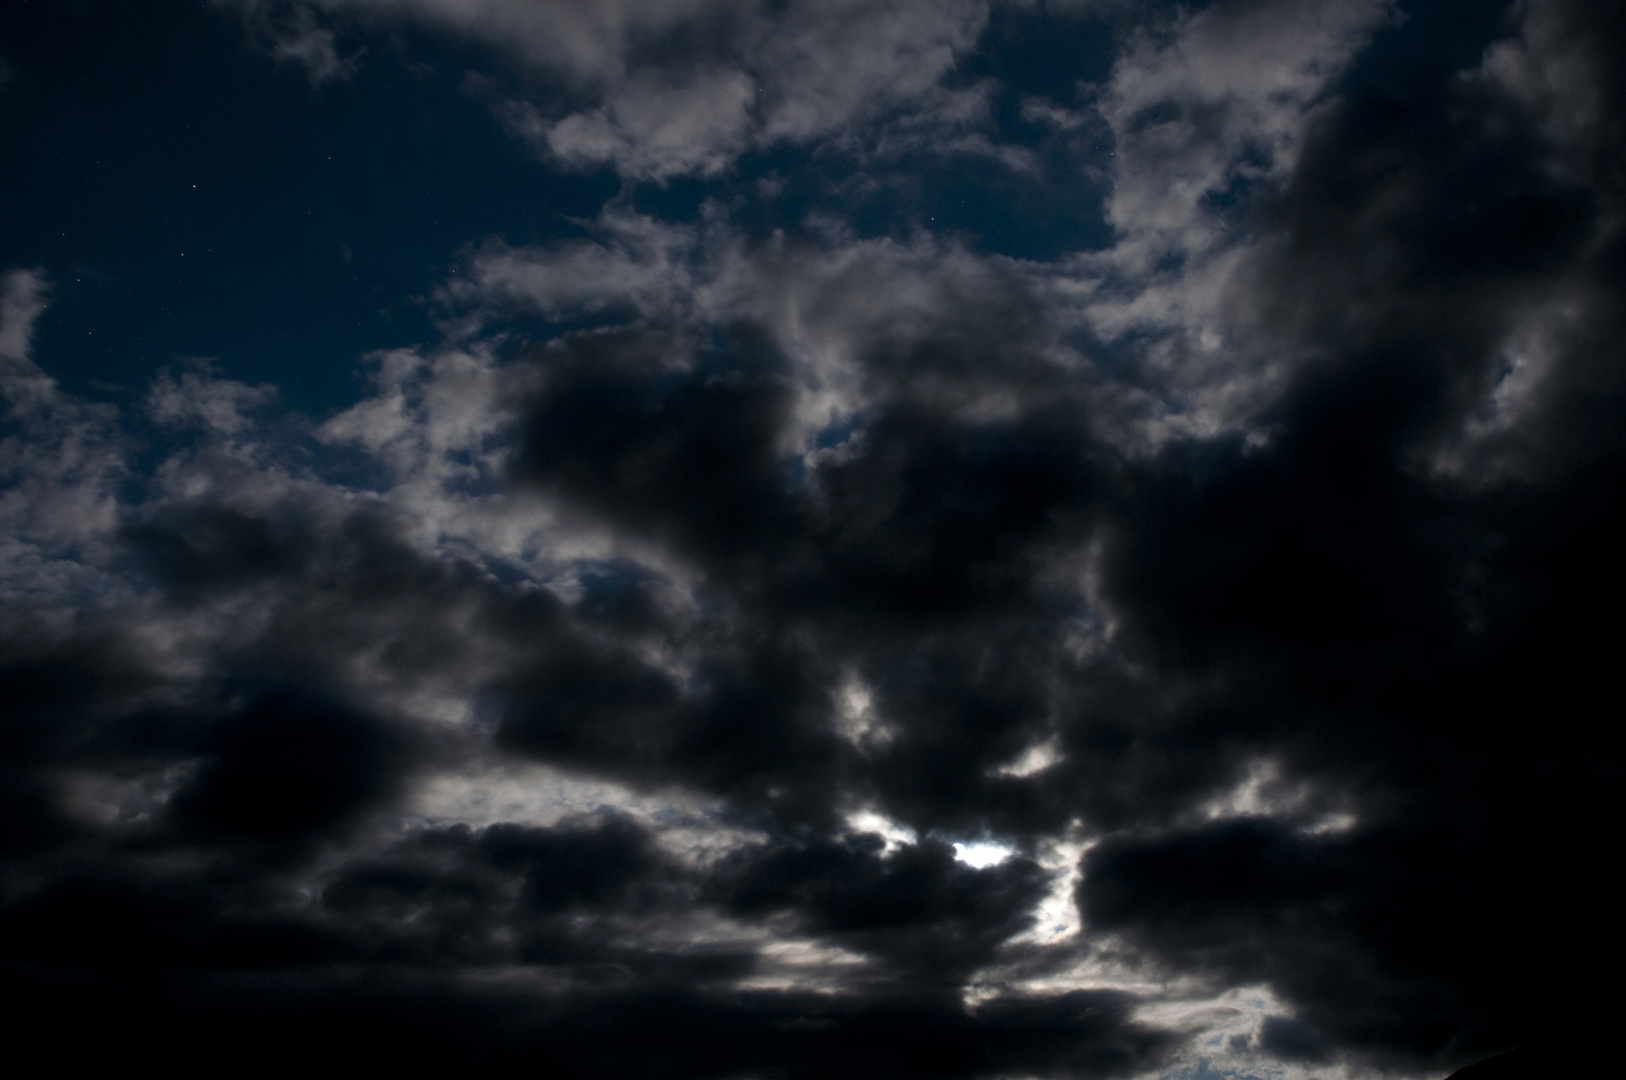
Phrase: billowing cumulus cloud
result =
(817, 651)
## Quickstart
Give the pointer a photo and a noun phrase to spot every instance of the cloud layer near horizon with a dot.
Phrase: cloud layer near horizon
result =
(834, 654)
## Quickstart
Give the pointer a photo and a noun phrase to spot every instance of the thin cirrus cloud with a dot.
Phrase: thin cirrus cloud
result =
(815, 651)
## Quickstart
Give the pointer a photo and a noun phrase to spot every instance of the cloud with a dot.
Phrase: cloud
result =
(1248, 584)
(635, 264)
(297, 34)
(654, 130)
(1217, 103)
(1206, 119)
(20, 305)
(660, 90)
(59, 458)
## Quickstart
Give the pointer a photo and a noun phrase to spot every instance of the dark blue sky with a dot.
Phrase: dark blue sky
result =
(209, 202)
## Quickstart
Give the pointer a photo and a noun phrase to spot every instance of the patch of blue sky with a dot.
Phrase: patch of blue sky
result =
(303, 227)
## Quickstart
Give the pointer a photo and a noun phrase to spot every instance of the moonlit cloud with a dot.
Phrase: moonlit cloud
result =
(757, 629)
(664, 89)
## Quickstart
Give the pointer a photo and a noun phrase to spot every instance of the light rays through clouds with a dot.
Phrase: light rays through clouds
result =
(822, 649)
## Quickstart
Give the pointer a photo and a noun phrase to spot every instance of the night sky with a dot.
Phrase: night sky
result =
(784, 539)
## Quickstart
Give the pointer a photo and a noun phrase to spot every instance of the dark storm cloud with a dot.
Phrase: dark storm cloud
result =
(933, 919)
(284, 768)
(912, 557)
(1262, 568)
(1420, 623)
(1316, 917)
